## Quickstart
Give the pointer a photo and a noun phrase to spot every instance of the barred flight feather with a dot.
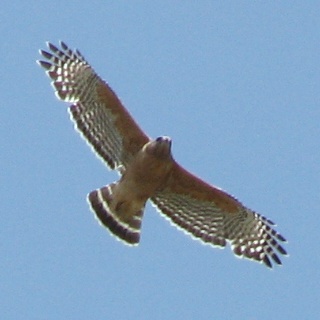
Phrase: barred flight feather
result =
(75, 81)
(249, 233)
(149, 170)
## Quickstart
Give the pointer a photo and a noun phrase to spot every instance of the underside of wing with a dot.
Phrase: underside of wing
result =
(214, 217)
(96, 110)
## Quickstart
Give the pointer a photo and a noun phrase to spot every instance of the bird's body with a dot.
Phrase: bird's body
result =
(146, 174)
(149, 171)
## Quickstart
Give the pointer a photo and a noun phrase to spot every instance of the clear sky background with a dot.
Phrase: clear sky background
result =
(236, 86)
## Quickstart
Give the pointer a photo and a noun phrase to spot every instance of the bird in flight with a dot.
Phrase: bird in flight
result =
(148, 170)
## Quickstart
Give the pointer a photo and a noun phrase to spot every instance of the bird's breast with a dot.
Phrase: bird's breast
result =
(145, 175)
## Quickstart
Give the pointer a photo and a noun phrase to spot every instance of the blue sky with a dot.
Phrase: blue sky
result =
(236, 86)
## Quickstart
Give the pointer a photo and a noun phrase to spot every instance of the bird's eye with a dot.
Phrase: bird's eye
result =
(159, 139)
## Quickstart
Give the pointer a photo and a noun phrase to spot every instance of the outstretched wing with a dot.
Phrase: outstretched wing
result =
(214, 217)
(96, 110)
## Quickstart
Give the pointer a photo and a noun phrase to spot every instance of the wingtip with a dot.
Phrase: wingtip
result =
(48, 43)
(44, 64)
(46, 54)
(52, 47)
(282, 238)
(63, 45)
(267, 261)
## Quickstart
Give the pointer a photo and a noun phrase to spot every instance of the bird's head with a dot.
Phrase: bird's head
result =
(159, 147)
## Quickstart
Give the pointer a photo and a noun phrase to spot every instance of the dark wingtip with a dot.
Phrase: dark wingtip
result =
(276, 259)
(52, 47)
(267, 262)
(281, 238)
(44, 64)
(282, 250)
(63, 45)
(48, 44)
(46, 54)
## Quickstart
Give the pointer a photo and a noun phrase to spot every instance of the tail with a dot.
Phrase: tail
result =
(121, 218)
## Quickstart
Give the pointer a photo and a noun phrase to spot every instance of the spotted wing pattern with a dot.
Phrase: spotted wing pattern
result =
(214, 217)
(96, 111)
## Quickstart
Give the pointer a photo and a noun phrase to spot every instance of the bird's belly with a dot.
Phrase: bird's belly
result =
(144, 178)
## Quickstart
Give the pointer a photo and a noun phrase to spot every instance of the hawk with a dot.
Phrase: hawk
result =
(148, 171)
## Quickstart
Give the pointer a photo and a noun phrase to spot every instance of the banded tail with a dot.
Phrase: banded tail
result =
(121, 218)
